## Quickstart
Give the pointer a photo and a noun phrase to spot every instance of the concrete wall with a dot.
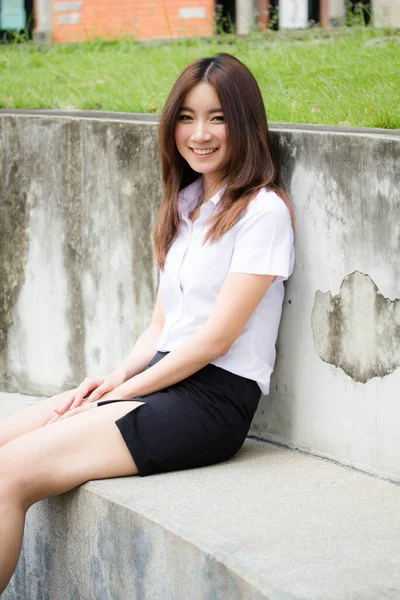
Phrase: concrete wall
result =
(43, 21)
(386, 13)
(335, 390)
(337, 10)
(78, 202)
(78, 199)
(293, 14)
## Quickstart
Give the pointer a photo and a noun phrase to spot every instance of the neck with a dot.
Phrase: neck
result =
(212, 185)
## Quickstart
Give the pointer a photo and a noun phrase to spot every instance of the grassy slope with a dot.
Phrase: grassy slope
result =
(348, 79)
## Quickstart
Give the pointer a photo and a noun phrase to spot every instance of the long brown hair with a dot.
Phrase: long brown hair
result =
(250, 165)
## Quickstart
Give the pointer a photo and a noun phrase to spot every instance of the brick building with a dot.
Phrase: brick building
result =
(142, 19)
(78, 20)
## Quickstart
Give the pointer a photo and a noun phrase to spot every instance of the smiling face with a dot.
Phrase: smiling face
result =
(200, 133)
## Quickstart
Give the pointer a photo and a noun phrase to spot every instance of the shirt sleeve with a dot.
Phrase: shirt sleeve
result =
(265, 244)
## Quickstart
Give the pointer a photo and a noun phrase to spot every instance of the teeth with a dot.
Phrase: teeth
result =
(205, 151)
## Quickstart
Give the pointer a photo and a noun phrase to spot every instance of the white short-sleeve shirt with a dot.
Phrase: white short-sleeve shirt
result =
(260, 242)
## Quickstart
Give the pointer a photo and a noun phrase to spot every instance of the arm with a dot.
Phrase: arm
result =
(238, 298)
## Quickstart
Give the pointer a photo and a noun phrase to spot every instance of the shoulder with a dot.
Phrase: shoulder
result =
(267, 201)
(266, 205)
(266, 220)
(264, 242)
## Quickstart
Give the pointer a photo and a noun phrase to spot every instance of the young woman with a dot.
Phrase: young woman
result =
(186, 394)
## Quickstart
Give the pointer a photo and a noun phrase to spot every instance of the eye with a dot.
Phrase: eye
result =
(184, 117)
(219, 118)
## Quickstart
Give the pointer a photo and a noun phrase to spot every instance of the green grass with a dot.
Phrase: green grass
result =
(351, 77)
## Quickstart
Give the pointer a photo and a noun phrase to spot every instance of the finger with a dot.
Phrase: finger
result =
(99, 392)
(58, 414)
(84, 389)
(53, 419)
(76, 411)
(62, 409)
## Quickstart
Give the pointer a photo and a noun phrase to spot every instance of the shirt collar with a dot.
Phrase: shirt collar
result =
(190, 195)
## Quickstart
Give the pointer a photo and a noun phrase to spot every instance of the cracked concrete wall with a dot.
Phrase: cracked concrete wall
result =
(78, 200)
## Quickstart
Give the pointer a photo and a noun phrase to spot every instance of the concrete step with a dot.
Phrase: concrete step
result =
(271, 523)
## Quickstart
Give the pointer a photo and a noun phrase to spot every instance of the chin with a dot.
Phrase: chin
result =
(204, 169)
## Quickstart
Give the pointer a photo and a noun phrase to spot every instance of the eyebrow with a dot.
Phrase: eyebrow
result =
(188, 109)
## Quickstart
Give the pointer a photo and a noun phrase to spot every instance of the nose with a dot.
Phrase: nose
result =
(201, 132)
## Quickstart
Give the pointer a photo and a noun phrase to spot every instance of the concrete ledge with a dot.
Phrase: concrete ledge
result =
(270, 524)
(155, 119)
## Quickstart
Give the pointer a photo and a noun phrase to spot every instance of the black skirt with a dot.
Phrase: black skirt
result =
(199, 421)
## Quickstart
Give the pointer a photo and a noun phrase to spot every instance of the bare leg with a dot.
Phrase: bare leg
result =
(30, 418)
(53, 460)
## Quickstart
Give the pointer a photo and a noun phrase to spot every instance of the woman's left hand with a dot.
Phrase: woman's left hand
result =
(73, 411)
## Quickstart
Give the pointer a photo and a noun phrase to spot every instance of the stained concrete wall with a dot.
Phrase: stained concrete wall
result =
(78, 200)
(335, 388)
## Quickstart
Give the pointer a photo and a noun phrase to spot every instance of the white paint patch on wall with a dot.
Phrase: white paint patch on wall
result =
(69, 19)
(39, 336)
(195, 12)
(67, 6)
